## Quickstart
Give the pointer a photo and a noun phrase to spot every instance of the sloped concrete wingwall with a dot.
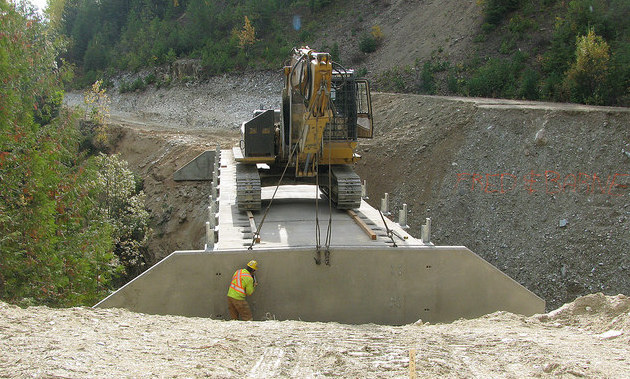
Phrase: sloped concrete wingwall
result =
(362, 285)
(199, 168)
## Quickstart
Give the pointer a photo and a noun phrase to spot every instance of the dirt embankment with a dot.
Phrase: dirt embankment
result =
(587, 338)
(542, 191)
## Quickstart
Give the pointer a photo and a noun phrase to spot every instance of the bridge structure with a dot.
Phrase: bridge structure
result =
(368, 269)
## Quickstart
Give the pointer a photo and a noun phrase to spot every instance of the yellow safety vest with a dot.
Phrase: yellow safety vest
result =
(240, 280)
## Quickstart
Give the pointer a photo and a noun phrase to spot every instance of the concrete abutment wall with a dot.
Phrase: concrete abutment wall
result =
(362, 285)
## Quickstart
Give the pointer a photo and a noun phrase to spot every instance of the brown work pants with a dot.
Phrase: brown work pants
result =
(239, 308)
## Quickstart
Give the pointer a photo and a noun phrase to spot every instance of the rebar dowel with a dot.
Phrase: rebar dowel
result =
(385, 205)
(211, 218)
(402, 217)
(209, 237)
(426, 231)
(364, 195)
(214, 211)
(217, 166)
(215, 181)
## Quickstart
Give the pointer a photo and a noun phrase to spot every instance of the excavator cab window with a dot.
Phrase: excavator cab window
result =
(343, 103)
(364, 109)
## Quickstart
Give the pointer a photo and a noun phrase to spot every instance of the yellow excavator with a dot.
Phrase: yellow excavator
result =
(313, 139)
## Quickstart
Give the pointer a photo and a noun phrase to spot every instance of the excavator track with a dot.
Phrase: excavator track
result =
(346, 188)
(247, 187)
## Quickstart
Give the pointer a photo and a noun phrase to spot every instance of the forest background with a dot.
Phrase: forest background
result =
(552, 50)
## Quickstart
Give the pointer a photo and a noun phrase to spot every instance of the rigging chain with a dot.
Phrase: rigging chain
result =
(317, 228)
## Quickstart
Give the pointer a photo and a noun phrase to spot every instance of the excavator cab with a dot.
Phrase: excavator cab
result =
(351, 105)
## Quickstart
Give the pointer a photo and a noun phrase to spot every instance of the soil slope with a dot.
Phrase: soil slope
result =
(412, 30)
(542, 191)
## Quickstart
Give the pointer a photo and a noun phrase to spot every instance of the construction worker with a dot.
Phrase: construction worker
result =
(243, 283)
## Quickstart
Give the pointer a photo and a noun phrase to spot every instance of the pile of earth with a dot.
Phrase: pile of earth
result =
(587, 338)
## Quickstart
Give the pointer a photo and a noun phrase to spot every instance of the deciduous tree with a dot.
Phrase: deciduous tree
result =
(587, 76)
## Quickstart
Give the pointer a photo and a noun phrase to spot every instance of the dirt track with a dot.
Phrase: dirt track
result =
(588, 338)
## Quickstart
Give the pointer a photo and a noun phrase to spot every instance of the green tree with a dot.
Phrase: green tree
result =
(54, 249)
(586, 79)
(120, 202)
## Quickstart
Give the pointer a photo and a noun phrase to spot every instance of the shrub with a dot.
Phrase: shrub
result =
(496, 10)
(367, 43)
(427, 83)
(334, 53)
(93, 125)
(394, 80)
(150, 79)
(377, 33)
(138, 85)
(587, 76)
(452, 83)
(120, 200)
(496, 78)
(520, 25)
(529, 85)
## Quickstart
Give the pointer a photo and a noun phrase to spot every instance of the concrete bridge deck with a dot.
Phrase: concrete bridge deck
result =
(291, 220)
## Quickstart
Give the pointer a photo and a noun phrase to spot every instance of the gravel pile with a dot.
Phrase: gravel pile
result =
(586, 339)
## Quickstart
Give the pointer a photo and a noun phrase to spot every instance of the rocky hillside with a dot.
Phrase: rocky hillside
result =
(412, 30)
(542, 191)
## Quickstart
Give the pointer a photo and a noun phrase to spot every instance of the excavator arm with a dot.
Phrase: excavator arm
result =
(308, 81)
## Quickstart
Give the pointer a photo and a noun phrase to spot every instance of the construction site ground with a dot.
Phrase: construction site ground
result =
(587, 338)
(486, 171)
